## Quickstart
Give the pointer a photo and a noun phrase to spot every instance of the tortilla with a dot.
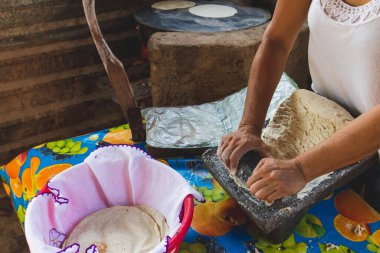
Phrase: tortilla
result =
(213, 11)
(158, 218)
(301, 122)
(172, 5)
(120, 229)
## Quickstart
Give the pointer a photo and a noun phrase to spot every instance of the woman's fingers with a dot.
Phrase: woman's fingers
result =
(223, 144)
(235, 157)
(264, 192)
(224, 150)
(262, 170)
(258, 185)
(281, 176)
(263, 189)
(274, 196)
(255, 176)
(233, 146)
(225, 156)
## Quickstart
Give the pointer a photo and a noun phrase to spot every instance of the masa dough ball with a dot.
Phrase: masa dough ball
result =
(301, 122)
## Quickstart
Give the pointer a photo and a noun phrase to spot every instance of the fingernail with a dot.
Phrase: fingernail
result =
(268, 203)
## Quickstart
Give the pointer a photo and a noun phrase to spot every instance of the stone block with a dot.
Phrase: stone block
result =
(195, 68)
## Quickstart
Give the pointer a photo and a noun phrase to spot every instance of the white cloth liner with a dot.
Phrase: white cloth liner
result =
(109, 176)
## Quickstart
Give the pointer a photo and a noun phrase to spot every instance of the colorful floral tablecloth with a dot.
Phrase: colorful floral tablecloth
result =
(343, 222)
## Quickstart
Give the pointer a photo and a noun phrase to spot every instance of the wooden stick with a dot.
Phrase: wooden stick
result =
(116, 74)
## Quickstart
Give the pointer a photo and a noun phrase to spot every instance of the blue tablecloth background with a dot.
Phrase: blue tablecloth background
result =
(16, 174)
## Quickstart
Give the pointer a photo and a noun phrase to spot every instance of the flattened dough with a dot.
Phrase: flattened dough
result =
(172, 5)
(301, 122)
(120, 229)
(213, 11)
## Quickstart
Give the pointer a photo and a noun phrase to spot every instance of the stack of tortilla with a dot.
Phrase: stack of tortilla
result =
(172, 5)
(120, 229)
(202, 10)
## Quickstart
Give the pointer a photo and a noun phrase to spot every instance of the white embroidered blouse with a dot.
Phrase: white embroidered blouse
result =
(344, 53)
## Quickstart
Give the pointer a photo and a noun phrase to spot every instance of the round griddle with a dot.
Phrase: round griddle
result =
(181, 20)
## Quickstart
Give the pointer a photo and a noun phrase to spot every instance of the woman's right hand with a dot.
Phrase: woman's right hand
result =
(266, 70)
(235, 145)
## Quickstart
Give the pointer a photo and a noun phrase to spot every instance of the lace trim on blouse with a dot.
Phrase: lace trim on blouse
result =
(346, 14)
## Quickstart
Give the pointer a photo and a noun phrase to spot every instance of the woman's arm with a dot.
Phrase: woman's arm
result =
(267, 68)
(270, 60)
(358, 139)
(273, 179)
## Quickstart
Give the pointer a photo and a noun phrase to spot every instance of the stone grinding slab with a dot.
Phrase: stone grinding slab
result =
(276, 222)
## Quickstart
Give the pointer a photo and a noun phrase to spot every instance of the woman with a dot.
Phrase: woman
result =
(344, 61)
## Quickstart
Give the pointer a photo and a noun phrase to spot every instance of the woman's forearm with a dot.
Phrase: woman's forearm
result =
(270, 60)
(266, 71)
(358, 139)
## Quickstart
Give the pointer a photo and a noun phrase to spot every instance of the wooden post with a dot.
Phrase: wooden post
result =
(116, 74)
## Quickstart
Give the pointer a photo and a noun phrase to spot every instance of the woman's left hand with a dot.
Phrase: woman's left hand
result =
(274, 179)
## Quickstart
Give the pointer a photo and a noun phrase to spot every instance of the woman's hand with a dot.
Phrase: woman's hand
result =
(274, 179)
(234, 146)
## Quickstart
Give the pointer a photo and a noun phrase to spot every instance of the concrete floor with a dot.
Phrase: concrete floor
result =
(12, 238)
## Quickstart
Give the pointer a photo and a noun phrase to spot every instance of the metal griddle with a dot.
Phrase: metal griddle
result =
(276, 222)
(181, 20)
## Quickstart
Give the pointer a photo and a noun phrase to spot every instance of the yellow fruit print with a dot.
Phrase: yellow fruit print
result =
(119, 136)
(13, 167)
(310, 226)
(39, 146)
(163, 161)
(28, 179)
(351, 230)
(49, 172)
(7, 189)
(16, 186)
(376, 238)
(21, 213)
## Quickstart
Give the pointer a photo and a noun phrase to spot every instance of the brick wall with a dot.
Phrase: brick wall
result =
(50, 71)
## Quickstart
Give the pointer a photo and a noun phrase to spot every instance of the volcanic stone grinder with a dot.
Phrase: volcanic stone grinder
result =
(276, 222)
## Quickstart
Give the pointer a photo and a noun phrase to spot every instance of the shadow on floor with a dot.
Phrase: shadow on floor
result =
(12, 238)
